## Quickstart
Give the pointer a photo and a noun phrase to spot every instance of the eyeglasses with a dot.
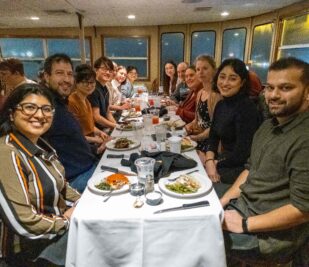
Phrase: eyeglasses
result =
(30, 109)
(103, 68)
(87, 83)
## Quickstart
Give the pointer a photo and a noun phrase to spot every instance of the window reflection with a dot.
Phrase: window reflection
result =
(233, 45)
(202, 42)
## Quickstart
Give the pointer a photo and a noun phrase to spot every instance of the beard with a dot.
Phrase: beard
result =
(279, 108)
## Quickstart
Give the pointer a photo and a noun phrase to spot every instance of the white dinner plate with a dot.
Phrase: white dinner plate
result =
(111, 144)
(121, 127)
(131, 114)
(97, 178)
(206, 187)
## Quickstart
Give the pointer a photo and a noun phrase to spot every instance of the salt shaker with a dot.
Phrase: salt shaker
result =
(149, 185)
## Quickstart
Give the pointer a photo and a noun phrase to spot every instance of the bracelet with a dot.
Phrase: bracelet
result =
(209, 160)
(244, 223)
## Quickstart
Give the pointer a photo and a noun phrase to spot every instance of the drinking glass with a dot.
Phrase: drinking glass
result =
(155, 116)
(160, 131)
(145, 167)
(147, 122)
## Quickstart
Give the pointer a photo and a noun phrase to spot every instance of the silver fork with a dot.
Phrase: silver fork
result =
(174, 179)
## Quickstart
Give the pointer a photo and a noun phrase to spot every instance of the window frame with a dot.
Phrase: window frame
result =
(147, 37)
(215, 43)
(272, 41)
(244, 50)
(161, 59)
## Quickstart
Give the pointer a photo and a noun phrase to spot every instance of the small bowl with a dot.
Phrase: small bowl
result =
(137, 189)
(153, 198)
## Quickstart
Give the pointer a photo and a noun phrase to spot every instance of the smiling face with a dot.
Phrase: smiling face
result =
(229, 82)
(191, 79)
(86, 87)
(104, 74)
(32, 126)
(132, 75)
(205, 72)
(121, 75)
(61, 78)
(169, 70)
(285, 94)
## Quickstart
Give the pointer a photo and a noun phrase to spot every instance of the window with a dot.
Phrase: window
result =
(295, 38)
(202, 42)
(233, 44)
(129, 51)
(172, 48)
(33, 51)
(261, 48)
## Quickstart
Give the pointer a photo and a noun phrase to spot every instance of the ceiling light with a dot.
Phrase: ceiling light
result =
(225, 13)
(34, 18)
(131, 17)
(236, 34)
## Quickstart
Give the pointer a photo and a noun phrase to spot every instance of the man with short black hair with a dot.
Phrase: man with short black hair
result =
(269, 219)
(65, 134)
(99, 99)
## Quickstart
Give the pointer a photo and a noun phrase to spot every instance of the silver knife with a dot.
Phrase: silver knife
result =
(115, 170)
(204, 203)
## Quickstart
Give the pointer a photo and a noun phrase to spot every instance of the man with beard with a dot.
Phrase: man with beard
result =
(65, 134)
(267, 208)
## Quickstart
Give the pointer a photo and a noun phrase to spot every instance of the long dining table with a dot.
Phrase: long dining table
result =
(115, 233)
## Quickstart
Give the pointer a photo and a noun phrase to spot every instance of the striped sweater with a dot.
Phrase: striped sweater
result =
(33, 191)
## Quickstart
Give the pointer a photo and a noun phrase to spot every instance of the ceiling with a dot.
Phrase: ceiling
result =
(62, 13)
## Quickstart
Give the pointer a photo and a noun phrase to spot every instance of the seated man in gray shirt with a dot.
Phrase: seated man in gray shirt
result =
(267, 208)
(182, 89)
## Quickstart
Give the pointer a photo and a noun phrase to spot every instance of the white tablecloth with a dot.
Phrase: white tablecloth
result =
(116, 234)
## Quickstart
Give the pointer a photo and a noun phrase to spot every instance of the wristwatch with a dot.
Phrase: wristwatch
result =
(245, 225)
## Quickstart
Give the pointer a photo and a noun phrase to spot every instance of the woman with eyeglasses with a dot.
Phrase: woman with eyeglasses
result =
(127, 89)
(79, 105)
(34, 193)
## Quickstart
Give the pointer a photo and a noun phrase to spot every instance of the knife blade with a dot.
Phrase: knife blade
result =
(199, 204)
(114, 156)
(116, 170)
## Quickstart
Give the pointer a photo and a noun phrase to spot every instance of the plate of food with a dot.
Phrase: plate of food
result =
(129, 126)
(177, 124)
(186, 144)
(186, 186)
(131, 113)
(102, 184)
(122, 144)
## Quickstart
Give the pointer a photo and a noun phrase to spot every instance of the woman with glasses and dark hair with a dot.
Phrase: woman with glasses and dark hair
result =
(127, 89)
(34, 192)
(79, 105)
(234, 123)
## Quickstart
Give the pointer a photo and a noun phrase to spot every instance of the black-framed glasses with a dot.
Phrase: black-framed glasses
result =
(31, 108)
(87, 83)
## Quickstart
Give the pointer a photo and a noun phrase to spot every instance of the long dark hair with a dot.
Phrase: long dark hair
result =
(17, 96)
(166, 79)
(240, 69)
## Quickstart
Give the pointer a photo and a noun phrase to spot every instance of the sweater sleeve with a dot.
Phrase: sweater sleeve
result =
(16, 207)
(246, 124)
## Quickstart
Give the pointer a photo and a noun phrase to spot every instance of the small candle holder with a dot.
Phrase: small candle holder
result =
(137, 189)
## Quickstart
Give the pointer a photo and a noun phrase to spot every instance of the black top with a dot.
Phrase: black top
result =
(66, 136)
(234, 123)
(100, 99)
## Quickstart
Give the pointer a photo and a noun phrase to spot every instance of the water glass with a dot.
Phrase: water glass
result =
(160, 131)
(147, 122)
(175, 144)
(145, 167)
